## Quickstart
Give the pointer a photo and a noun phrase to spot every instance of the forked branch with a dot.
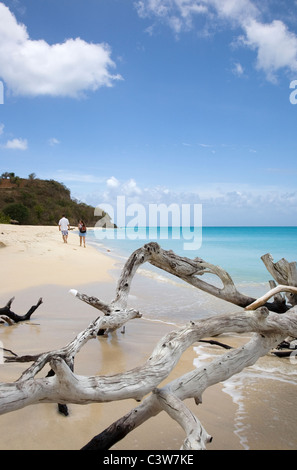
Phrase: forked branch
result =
(6, 312)
(64, 386)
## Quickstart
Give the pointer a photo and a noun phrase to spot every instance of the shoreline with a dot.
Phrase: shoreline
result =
(39, 265)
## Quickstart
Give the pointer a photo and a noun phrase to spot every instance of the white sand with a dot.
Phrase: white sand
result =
(37, 255)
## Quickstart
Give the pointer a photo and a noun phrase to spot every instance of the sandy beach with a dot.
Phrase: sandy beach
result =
(38, 264)
(36, 255)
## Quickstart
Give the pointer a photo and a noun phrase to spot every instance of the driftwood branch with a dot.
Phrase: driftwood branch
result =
(7, 313)
(66, 387)
(276, 290)
(196, 435)
(284, 273)
(194, 383)
(189, 271)
(63, 386)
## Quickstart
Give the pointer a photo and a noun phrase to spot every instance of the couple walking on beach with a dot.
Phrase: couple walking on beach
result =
(82, 229)
(64, 226)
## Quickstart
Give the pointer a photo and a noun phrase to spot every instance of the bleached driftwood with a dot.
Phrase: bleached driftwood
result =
(189, 271)
(276, 290)
(66, 387)
(196, 435)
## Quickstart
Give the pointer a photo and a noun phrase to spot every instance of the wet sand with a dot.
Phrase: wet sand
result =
(41, 427)
(40, 265)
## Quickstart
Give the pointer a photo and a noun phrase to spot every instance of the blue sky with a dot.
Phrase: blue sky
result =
(173, 101)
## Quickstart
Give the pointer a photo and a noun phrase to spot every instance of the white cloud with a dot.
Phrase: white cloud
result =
(53, 141)
(13, 144)
(112, 182)
(275, 45)
(34, 67)
(185, 10)
(130, 188)
(115, 188)
(222, 204)
(205, 145)
(16, 144)
(157, 7)
(234, 10)
(178, 13)
(238, 69)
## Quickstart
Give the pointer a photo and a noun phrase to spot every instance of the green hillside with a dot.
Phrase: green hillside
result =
(34, 201)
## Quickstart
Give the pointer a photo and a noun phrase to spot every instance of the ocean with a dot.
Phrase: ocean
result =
(160, 296)
(238, 250)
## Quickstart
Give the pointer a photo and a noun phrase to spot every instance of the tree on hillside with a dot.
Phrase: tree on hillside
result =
(6, 175)
(11, 176)
(17, 212)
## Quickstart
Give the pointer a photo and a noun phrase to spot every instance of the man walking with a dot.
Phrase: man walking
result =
(64, 226)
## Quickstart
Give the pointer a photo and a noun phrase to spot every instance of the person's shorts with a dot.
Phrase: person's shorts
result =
(82, 234)
(64, 232)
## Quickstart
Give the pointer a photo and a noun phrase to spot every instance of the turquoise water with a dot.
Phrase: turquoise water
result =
(237, 249)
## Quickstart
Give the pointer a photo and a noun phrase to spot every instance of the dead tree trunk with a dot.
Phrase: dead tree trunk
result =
(267, 327)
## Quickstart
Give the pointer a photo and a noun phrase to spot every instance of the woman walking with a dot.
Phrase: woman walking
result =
(82, 233)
